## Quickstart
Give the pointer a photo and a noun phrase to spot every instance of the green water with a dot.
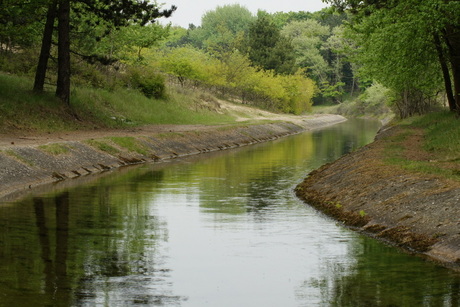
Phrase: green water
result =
(216, 230)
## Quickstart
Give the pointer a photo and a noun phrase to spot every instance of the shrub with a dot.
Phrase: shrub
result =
(147, 81)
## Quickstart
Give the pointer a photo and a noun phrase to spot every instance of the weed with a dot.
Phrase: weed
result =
(54, 149)
(362, 213)
(130, 143)
(18, 157)
(103, 146)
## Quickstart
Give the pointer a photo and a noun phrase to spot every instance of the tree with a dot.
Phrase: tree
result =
(394, 29)
(307, 38)
(268, 48)
(222, 29)
(117, 13)
(40, 73)
(18, 22)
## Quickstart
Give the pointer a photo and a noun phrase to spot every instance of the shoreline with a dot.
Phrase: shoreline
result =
(414, 211)
(34, 161)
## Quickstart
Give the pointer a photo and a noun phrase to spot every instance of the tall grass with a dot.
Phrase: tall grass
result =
(20, 108)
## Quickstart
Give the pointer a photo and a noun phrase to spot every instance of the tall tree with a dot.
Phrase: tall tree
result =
(308, 37)
(222, 29)
(63, 76)
(268, 48)
(431, 28)
(117, 13)
(40, 73)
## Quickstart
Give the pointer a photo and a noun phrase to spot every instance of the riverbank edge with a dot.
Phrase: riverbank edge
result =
(25, 167)
(416, 212)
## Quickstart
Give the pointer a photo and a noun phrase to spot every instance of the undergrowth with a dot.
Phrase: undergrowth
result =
(21, 109)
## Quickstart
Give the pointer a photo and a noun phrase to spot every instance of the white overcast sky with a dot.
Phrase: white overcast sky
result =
(190, 11)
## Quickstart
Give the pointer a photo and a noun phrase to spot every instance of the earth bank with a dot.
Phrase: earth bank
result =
(415, 211)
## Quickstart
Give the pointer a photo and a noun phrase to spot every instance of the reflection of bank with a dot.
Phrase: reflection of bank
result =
(57, 286)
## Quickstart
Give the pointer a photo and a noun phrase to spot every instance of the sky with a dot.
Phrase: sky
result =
(190, 11)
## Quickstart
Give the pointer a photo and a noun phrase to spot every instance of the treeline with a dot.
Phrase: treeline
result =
(405, 53)
(276, 61)
(412, 47)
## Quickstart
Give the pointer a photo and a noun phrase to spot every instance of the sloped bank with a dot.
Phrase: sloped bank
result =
(26, 166)
(418, 212)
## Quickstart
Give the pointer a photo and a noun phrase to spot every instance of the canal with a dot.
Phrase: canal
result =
(221, 229)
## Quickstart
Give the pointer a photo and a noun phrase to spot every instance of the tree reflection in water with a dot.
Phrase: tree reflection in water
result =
(89, 245)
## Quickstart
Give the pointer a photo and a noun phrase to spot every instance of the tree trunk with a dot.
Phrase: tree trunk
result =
(445, 73)
(63, 78)
(453, 42)
(42, 66)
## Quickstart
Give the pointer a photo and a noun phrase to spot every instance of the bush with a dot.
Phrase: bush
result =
(23, 62)
(149, 82)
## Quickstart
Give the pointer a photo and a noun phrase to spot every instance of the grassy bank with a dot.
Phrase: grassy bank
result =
(428, 144)
(20, 109)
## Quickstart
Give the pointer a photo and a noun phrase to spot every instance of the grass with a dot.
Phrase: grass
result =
(54, 149)
(14, 154)
(130, 143)
(22, 109)
(442, 134)
(441, 143)
(103, 146)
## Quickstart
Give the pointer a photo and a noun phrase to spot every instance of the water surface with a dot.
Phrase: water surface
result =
(217, 230)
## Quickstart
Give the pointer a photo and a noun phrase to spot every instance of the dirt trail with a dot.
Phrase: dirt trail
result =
(25, 163)
(243, 114)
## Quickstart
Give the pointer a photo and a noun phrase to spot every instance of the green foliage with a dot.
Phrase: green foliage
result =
(307, 37)
(22, 109)
(386, 40)
(397, 47)
(221, 29)
(268, 48)
(20, 23)
(299, 92)
(118, 51)
(184, 63)
(321, 50)
(375, 100)
(149, 82)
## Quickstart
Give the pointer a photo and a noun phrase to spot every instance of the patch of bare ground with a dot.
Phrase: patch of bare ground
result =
(413, 210)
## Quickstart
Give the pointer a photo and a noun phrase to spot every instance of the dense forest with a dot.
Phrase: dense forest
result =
(404, 54)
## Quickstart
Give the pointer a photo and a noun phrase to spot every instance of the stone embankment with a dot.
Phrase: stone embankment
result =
(418, 212)
(36, 161)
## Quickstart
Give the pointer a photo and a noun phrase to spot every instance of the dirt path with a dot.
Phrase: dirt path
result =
(25, 164)
(243, 114)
